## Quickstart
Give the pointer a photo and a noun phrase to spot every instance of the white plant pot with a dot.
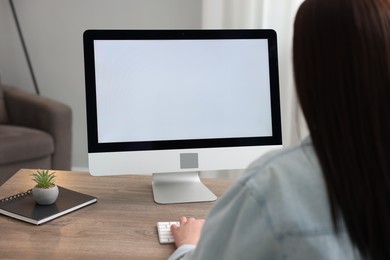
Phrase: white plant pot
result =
(45, 196)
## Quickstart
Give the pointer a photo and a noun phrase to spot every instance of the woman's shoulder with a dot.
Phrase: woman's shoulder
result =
(295, 162)
(290, 183)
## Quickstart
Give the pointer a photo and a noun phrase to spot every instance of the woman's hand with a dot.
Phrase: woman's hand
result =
(188, 232)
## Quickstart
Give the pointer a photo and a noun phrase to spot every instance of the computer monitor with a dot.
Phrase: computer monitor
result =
(175, 102)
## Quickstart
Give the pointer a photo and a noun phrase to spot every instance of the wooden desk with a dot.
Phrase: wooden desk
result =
(121, 225)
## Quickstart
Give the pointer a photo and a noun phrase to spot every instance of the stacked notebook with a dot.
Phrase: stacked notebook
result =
(26, 209)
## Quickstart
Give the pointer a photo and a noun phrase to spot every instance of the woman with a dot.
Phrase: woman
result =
(328, 198)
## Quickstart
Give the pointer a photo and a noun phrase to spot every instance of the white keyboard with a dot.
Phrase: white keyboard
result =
(164, 232)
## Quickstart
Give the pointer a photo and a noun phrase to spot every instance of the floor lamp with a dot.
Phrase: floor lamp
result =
(24, 47)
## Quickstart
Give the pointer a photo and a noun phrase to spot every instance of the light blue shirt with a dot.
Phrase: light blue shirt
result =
(277, 210)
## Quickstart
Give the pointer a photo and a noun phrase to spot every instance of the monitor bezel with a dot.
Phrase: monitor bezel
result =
(89, 62)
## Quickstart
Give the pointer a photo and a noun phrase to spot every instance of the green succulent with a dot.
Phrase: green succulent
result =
(44, 179)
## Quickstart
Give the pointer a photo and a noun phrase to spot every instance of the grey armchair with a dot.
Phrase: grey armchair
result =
(35, 132)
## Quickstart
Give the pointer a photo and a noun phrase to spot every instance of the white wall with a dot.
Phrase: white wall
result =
(53, 33)
(13, 66)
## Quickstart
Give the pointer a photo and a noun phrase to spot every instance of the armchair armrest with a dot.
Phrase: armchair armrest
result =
(30, 110)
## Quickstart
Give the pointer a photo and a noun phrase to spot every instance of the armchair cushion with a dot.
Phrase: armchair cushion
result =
(21, 143)
(3, 112)
(35, 132)
(41, 113)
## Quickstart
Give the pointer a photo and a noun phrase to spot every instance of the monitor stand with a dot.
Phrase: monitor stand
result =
(180, 187)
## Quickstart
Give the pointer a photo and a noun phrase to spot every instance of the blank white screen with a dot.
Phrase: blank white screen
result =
(182, 89)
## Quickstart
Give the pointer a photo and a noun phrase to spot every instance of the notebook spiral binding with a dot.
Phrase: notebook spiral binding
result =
(15, 197)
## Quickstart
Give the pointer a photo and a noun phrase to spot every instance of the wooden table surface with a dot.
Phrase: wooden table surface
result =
(121, 225)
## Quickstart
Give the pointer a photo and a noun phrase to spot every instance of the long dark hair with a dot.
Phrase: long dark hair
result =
(341, 54)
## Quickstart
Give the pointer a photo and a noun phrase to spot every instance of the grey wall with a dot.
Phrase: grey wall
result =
(53, 33)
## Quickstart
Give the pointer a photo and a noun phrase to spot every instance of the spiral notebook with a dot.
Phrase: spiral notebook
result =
(23, 207)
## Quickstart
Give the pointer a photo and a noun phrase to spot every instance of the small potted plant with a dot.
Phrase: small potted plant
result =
(45, 191)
